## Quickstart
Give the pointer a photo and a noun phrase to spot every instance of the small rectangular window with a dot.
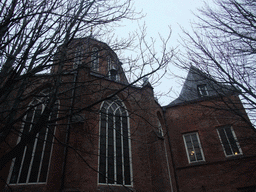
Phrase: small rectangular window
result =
(202, 90)
(229, 141)
(193, 147)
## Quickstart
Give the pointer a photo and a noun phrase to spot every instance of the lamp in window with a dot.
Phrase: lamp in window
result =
(193, 147)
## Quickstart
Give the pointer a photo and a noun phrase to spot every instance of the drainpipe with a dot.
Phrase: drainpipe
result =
(169, 142)
(68, 131)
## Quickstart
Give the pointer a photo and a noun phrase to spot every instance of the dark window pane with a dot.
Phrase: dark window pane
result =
(187, 139)
(127, 174)
(111, 169)
(232, 141)
(189, 145)
(44, 168)
(225, 141)
(37, 156)
(102, 174)
(198, 154)
(110, 150)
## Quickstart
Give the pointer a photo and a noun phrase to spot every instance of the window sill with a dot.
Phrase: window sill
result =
(197, 163)
(234, 156)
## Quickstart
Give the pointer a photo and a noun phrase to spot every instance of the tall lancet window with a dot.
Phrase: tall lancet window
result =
(78, 57)
(114, 153)
(32, 166)
(95, 59)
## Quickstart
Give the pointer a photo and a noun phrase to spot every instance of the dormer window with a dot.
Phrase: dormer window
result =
(202, 90)
(95, 59)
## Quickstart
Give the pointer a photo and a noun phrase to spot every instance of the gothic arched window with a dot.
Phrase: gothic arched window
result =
(32, 165)
(114, 152)
(78, 56)
(95, 59)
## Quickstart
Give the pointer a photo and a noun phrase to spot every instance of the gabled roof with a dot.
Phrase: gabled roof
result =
(197, 78)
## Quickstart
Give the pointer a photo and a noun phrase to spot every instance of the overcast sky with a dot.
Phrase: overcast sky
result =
(159, 14)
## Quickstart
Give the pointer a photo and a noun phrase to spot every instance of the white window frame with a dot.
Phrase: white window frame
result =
(229, 143)
(193, 151)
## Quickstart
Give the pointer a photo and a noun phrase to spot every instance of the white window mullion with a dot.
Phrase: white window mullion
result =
(122, 150)
(114, 142)
(107, 118)
(130, 146)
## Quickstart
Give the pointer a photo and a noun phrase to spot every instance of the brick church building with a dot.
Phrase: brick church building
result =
(105, 134)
